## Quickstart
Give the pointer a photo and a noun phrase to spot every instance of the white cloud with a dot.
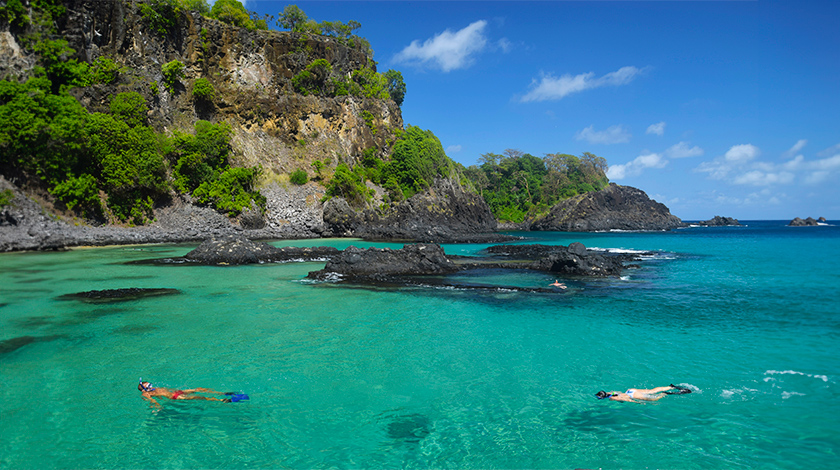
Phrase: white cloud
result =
(799, 145)
(447, 50)
(762, 178)
(682, 150)
(505, 45)
(658, 128)
(612, 135)
(553, 88)
(742, 153)
(833, 150)
(453, 149)
(635, 167)
(738, 166)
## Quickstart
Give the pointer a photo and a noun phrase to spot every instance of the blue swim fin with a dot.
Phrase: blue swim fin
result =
(239, 397)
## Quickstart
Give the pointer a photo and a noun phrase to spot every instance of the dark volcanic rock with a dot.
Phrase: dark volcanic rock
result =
(718, 221)
(612, 208)
(118, 295)
(235, 250)
(445, 213)
(381, 264)
(809, 222)
(574, 260)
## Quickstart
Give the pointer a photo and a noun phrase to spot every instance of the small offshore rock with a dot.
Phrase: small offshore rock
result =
(118, 295)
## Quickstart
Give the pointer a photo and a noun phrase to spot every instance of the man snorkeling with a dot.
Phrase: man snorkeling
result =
(640, 395)
(558, 284)
(148, 391)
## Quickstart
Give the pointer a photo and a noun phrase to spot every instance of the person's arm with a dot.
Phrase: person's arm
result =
(148, 397)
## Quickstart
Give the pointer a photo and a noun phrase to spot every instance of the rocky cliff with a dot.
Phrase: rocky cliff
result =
(251, 72)
(612, 208)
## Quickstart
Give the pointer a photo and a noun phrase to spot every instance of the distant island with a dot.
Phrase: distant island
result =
(809, 222)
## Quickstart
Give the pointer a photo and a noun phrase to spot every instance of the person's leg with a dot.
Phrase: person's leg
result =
(651, 391)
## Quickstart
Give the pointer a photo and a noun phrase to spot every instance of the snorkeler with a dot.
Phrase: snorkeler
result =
(558, 284)
(639, 395)
(149, 391)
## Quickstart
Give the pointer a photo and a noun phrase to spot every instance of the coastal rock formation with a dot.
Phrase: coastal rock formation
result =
(573, 260)
(718, 221)
(446, 213)
(384, 263)
(612, 208)
(236, 250)
(809, 222)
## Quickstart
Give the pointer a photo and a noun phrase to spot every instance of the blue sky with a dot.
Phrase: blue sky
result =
(711, 107)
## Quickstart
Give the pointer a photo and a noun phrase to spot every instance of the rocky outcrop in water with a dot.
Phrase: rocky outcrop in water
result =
(118, 295)
(612, 208)
(809, 222)
(572, 260)
(718, 221)
(237, 250)
(380, 264)
(386, 265)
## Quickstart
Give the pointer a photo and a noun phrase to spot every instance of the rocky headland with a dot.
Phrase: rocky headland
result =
(613, 208)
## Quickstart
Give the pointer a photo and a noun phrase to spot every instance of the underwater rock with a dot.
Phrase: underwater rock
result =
(118, 295)
(411, 428)
(10, 345)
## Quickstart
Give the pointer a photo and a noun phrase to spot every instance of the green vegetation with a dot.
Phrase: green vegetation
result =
(313, 79)
(45, 133)
(203, 90)
(298, 177)
(417, 159)
(162, 15)
(517, 185)
(172, 72)
(6, 197)
(395, 85)
(14, 13)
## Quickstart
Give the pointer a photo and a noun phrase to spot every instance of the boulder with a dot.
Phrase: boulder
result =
(236, 250)
(573, 260)
(718, 221)
(385, 263)
(612, 208)
(797, 222)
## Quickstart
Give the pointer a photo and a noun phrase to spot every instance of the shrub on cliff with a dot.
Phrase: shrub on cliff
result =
(298, 177)
(203, 90)
(172, 72)
(416, 160)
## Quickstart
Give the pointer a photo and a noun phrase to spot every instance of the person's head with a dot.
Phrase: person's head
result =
(602, 394)
(145, 386)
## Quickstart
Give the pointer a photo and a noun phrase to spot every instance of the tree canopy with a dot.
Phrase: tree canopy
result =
(517, 185)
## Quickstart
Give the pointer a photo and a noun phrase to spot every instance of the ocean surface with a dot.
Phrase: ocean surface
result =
(479, 376)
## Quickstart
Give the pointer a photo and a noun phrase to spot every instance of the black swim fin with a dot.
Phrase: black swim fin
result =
(679, 390)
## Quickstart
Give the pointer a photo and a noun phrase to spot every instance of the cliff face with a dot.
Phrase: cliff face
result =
(612, 208)
(251, 72)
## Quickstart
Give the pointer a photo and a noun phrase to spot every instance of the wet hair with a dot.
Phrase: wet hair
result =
(602, 394)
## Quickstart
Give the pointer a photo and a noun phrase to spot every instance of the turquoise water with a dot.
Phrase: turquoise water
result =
(428, 377)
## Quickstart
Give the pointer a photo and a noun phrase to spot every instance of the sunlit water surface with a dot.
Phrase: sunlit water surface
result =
(428, 376)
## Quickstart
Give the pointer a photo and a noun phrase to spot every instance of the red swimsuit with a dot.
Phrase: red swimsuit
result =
(177, 394)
